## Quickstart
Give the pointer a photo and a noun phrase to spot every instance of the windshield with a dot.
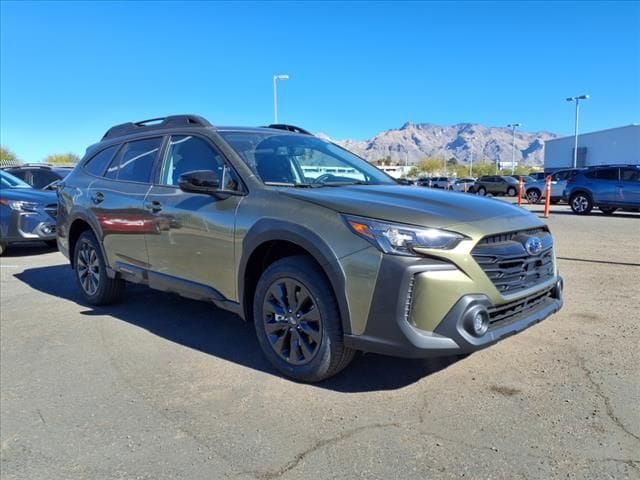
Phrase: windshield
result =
(302, 160)
(9, 181)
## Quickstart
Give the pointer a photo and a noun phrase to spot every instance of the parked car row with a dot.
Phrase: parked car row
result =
(608, 188)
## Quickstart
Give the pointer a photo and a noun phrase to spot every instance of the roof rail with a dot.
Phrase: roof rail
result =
(289, 128)
(156, 124)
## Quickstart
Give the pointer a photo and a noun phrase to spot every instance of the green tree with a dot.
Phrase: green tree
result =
(430, 165)
(62, 158)
(7, 157)
(413, 172)
(452, 162)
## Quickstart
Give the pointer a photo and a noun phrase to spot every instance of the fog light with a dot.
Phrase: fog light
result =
(480, 323)
(47, 230)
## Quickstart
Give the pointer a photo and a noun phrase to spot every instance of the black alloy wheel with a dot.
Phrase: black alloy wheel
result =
(298, 322)
(292, 321)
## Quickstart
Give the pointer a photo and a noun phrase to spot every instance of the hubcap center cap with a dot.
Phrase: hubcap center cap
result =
(293, 320)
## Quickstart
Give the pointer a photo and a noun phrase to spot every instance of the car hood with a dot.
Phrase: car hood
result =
(411, 205)
(29, 195)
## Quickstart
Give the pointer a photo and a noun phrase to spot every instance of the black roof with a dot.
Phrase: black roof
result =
(182, 121)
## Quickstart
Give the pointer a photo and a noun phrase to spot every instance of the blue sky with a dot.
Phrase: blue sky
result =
(68, 71)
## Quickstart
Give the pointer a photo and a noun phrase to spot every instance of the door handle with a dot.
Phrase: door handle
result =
(97, 197)
(153, 206)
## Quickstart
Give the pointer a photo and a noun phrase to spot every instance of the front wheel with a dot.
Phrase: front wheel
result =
(91, 273)
(580, 203)
(511, 191)
(297, 321)
(482, 191)
(3, 247)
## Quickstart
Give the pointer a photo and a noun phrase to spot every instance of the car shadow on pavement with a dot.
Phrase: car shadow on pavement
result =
(206, 328)
(27, 249)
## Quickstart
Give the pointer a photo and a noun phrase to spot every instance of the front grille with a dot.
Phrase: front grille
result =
(52, 210)
(511, 312)
(509, 266)
(508, 236)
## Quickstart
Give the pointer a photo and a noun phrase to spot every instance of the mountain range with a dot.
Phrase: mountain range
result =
(416, 141)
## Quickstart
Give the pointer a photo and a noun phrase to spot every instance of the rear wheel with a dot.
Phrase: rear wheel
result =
(608, 210)
(91, 273)
(534, 195)
(580, 203)
(511, 191)
(297, 321)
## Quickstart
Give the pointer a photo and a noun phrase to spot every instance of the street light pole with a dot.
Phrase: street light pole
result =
(575, 142)
(513, 127)
(471, 156)
(275, 95)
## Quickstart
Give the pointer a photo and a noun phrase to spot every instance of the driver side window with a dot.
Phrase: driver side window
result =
(186, 153)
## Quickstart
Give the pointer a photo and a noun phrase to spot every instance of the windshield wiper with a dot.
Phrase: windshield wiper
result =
(295, 185)
(346, 184)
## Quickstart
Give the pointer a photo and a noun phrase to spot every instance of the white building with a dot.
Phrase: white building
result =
(605, 147)
(395, 171)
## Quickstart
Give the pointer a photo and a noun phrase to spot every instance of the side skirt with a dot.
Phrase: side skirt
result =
(171, 284)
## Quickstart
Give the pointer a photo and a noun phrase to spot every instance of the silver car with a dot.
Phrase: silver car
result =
(535, 191)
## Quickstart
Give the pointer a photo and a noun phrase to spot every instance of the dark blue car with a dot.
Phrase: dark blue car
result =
(26, 214)
(609, 188)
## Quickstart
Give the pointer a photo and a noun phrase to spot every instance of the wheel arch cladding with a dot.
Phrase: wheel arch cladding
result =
(80, 224)
(270, 240)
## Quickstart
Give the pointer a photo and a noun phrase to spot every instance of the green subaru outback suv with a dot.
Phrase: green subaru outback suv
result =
(326, 254)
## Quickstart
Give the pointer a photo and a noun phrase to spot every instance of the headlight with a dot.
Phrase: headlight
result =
(23, 206)
(401, 239)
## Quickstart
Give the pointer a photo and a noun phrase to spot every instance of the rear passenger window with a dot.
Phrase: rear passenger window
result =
(98, 164)
(608, 174)
(135, 160)
(42, 179)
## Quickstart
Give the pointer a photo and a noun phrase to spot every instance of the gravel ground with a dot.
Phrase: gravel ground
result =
(162, 387)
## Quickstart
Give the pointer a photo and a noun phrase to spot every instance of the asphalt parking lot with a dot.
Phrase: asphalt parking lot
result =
(162, 387)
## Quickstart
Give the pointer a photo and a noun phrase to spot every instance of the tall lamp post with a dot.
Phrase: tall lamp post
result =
(513, 127)
(275, 95)
(575, 144)
(471, 156)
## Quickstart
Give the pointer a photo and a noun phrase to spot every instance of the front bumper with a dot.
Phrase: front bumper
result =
(433, 309)
(18, 226)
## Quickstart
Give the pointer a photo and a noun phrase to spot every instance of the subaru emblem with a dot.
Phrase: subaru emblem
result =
(533, 246)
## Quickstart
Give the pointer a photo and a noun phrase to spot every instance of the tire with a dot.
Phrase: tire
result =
(482, 191)
(3, 247)
(534, 195)
(52, 243)
(318, 341)
(91, 274)
(608, 210)
(511, 191)
(581, 203)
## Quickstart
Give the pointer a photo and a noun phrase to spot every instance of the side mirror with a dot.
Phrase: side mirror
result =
(199, 181)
